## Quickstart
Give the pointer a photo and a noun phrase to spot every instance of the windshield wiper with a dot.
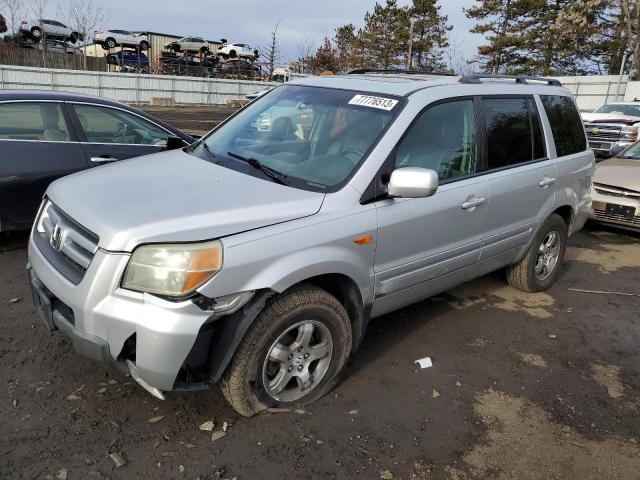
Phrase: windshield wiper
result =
(207, 149)
(275, 175)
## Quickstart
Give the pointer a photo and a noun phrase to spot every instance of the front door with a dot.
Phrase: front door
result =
(426, 245)
(109, 134)
(37, 146)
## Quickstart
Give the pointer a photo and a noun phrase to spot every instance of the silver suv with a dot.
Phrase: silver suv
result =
(258, 256)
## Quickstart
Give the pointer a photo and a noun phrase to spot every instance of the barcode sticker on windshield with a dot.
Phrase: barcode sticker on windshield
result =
(373, 102)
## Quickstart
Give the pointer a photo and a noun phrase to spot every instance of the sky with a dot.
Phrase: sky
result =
(251, 21)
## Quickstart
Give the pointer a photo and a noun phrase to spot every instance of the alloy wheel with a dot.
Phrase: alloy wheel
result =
(547, 257)
(297, 361)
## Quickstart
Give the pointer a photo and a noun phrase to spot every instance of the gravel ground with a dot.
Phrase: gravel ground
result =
(523, 386)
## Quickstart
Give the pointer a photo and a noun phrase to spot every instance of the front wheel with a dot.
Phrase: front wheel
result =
(539, 268)
(144, 45)
(292, 355)
(36, 34)
(110, 43)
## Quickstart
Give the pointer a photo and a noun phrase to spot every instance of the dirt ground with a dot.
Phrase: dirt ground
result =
(191, 120)
(523, 386)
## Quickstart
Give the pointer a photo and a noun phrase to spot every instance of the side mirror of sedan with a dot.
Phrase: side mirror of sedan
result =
(173, 143)
(413, 182)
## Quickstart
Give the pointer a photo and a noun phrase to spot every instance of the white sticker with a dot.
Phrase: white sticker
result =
(373, 102)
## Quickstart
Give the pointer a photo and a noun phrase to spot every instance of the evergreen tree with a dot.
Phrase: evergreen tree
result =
(346, 45)
(382, 42)
(429, 40)
(326, 59)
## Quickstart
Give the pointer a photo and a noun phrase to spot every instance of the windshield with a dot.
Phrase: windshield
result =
(315, 138)
(632, 152)
(629, 110)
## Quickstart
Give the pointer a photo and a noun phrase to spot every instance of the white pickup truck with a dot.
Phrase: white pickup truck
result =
(612, 127)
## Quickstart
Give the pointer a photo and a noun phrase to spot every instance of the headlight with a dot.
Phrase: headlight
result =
(173, 270)
(629, 133)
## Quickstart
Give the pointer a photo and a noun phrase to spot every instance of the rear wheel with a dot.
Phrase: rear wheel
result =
(292, 355)
(539, 268)
(144, 45)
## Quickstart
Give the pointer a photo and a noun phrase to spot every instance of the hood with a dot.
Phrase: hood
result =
(609, 118)
(619, 172)
(174, 197)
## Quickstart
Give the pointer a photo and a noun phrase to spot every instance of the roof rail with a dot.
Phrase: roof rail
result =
(391, 71)
(521, 79)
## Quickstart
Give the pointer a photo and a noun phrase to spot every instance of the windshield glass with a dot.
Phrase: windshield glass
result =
(315, 138)
(632, 152)
(629, 110)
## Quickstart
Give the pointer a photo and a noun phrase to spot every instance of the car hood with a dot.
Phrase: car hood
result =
(174, 197)
(619, 172)
(609, 118)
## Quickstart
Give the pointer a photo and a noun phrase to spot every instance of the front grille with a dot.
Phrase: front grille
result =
(598, 132)
(602, 215)
(66, 244)
(615, 191)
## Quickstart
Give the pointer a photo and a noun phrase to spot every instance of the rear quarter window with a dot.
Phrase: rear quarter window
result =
(566, 124)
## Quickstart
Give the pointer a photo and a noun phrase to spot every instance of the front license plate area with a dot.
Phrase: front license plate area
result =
(42, 302)
(624, 210)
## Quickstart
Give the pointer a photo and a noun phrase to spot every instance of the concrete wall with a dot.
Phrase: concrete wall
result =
(594, 91)
(128, 87)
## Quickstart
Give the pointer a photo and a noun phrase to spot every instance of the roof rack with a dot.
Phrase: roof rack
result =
(392, 71)
(521, 79)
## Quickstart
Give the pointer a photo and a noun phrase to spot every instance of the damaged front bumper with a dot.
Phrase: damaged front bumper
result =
(136, 333)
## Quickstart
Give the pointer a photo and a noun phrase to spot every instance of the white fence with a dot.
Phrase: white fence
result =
(594, 91)
(129, 87)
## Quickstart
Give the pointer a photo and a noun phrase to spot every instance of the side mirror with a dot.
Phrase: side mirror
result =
(174, 143)
(413, 182)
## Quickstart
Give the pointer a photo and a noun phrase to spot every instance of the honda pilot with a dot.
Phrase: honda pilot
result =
(257, 256)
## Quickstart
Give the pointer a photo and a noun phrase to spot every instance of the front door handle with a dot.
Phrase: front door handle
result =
(103, 159)
(473, 202)
(546, 181)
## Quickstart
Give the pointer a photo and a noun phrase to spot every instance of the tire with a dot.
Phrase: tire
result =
(144, 45)
(176, 48)
(233, 54)
(255, 381)
(538, 270)
(73, 38)
(36, 34)
(110, 43)
(204, 49)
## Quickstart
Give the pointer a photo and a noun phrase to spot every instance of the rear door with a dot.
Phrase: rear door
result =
(109, 133)
(37, 146)
(521, 176)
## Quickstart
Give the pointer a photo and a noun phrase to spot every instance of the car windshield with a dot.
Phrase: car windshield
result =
(632, 152)
(629, 110)
(315, 138)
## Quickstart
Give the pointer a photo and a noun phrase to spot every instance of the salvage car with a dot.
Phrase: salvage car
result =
(257, 260)
(237, 50)
(189, 44)
(39, 28)
(612, 127)
(109, 39)
(46, 135)
(616, 190)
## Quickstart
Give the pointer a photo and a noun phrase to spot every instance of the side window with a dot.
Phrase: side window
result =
(33, 121)
(108, 125)
(442, 139)
(513, 132)
(566, 124)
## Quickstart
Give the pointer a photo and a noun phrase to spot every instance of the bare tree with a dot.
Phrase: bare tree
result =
(15, 12)
(38, 9)
(272, 51)
(306, 48)
(83, 17)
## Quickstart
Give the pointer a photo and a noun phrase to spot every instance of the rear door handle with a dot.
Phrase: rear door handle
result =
(473, 202)
(546, 181)
(103, 159)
